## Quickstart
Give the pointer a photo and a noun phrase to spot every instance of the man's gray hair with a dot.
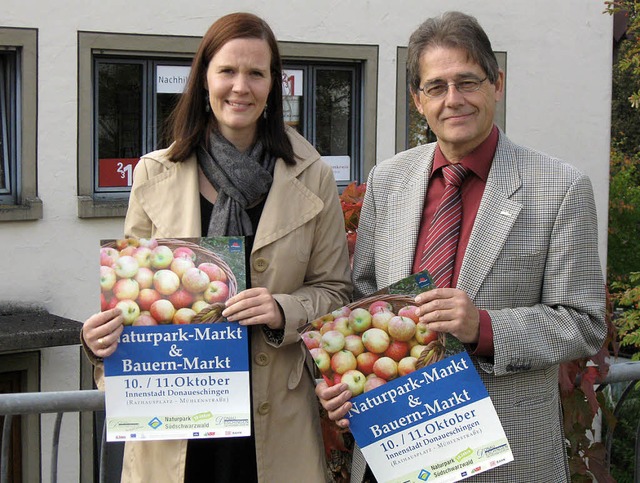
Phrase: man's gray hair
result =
(451, 30)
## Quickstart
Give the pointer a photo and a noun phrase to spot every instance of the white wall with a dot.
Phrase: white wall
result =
(558, 101)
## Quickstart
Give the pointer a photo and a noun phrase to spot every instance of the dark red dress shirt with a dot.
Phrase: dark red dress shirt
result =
(478, 162)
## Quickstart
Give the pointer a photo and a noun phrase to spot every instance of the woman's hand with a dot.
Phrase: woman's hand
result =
(335, 399)
(254, 306)
(101, 332)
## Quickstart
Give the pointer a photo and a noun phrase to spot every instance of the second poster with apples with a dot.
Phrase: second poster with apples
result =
(420, 411)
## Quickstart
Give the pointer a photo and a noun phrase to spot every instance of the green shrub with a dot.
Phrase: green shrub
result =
(626, 299)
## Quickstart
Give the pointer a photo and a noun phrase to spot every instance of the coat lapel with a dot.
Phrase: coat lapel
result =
(495, 219)
(175, 187)
(289, 205)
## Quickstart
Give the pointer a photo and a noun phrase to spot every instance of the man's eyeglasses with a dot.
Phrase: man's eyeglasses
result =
(439, 89)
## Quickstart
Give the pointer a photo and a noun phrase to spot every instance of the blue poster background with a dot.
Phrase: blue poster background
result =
(173, 349)
(384, 406)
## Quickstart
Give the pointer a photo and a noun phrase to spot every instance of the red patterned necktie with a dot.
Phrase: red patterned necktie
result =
(442, 241)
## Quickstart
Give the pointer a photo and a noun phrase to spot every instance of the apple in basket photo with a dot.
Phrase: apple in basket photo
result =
(375, 341)
(162, 281)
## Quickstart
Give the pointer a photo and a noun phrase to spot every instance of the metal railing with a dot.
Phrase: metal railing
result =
(93, 400)
(41, 403)
(629, 373)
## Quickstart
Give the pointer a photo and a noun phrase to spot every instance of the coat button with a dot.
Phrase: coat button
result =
(264, 408)
(261, 359)
(260, 264)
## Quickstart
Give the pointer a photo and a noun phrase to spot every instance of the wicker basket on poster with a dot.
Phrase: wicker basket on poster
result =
(212, 313)
(204, 255)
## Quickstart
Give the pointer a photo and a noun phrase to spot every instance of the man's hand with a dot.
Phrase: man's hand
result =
(449, 310)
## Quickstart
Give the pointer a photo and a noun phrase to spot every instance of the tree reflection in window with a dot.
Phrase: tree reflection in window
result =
(119, 110)
(333, 111)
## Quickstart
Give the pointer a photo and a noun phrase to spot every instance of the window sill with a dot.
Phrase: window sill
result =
(90, 208)
(31, 209)
(31, 329)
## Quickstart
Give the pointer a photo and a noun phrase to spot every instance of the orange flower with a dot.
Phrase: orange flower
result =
(351, 202)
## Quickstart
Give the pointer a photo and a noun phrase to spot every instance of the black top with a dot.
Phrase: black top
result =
(224, 460)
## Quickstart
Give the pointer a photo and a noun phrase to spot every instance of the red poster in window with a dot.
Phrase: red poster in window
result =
(116, 172)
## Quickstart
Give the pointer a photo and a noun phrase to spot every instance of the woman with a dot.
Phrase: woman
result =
(235, 169)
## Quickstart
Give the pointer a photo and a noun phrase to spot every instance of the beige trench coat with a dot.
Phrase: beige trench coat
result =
(300, 255)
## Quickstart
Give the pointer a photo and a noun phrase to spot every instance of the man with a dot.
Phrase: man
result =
(524, 290)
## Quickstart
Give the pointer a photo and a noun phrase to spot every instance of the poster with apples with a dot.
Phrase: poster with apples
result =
(420, 411)
(180, 371)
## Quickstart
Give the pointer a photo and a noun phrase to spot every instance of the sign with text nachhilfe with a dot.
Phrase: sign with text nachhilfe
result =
(171, 79)
(341, 166)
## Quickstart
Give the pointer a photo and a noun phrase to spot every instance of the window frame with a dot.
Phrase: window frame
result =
(299, 52)
(24, 204)
(126, 46)
(114, 193)
(310, 69)
(403, 98)
(149, 133)
(7, 129)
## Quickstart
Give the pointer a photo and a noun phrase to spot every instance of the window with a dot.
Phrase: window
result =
(7, 127)
(411, 127)
(18, 80)
(127, 87)
(322, 101)
(133, 98)
(327, 91)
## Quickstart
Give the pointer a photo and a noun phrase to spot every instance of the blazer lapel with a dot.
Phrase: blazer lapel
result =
(405, 212)
(495, 218)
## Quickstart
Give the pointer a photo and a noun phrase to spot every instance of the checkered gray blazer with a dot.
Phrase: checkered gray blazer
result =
(532, 262)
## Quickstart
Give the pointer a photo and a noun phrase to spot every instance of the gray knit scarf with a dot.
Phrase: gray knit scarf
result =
(242, 180)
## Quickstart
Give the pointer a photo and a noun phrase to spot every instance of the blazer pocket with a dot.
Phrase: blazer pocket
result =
(520, 271)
